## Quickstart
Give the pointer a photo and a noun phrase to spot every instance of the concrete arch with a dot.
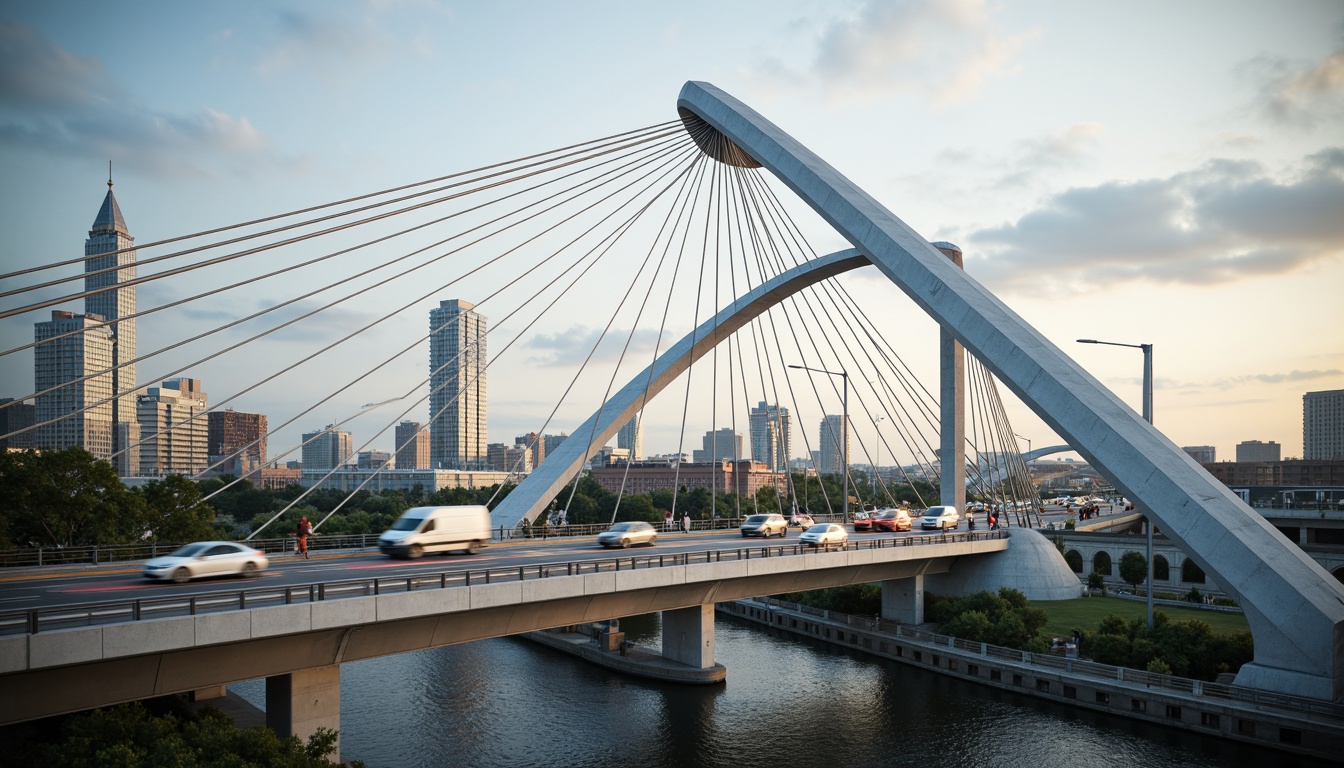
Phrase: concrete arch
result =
(537, 489)
(1294, 607)
(1101, 563)
(1075, 560)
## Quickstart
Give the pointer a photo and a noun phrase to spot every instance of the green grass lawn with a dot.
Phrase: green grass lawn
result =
(1086, 613)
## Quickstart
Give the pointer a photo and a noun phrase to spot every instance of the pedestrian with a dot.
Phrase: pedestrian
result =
(686, 522)
(304, 530)
(667, 521)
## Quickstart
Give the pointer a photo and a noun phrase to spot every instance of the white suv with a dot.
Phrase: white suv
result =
(941, 518)
(765, 526)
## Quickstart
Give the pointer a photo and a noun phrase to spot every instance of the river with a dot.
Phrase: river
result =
(787, 702)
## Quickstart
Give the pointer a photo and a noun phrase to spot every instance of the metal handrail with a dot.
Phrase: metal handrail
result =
(33, 620)
(1079, 666)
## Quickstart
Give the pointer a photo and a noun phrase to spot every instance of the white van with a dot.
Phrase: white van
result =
(437, 529)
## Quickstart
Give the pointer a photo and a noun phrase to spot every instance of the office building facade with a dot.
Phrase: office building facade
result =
(110, 261)
(535, 445)
(718, 445)
(832, 445)
(174, 429)
(69, 348)
(1202, 454)
(1254, 450)
(631, 437)
(1323, 425)
(15, 416)
(237, 442)
(327, 449)
(770, 427)
(457, 396)
(412, 445)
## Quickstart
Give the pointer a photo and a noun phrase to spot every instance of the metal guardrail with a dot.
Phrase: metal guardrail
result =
(34, 620)
(1078, 666)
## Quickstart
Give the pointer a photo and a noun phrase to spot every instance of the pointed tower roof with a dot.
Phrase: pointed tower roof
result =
(109, 216)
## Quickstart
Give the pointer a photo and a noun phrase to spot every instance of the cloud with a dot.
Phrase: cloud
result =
(1292, 377)
(572, 346)
(1298, 93)
(320, 42)
(945, 49)
(1221, 222)
(61, 104)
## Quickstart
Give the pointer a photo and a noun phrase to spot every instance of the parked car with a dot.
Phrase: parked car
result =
(802, 520)
(892, 519)
(824, 535)
(207, 558)
(628, 533)
(765, 526)
(940, 518)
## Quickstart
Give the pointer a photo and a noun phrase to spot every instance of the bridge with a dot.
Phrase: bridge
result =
(1295, 610)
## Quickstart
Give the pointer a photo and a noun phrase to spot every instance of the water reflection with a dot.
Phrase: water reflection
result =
(787, 701)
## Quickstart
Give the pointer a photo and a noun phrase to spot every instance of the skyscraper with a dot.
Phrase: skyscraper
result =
(238, 440)
(832, 441)
(1323, 425)
(1254, 450)
(412, 446)
(69, 348)
(13, 417)
(110, 236)
(535, 445)
(327, 449)
(174, 430)
(631, 437)
(770, 428)
(717, 445)
(457, 392)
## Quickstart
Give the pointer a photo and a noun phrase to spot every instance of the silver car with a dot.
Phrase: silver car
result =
(626, 534)
(207, 558)
(765, 526)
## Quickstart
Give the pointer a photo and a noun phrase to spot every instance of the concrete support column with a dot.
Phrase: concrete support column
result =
(952, 402)
(903, 600)
(213, 692)
(299, 703)
(688, 636)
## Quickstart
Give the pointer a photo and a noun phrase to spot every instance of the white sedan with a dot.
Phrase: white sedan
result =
(625, 534)
(824, 535)
(207, 558)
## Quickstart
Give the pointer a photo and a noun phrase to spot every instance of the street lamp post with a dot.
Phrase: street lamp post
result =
(1028, 439)
(878, 462)
(1148, 417)
(844, 421)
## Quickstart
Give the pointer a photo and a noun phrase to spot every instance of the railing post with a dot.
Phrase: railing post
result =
(135, 611)
(95, 555)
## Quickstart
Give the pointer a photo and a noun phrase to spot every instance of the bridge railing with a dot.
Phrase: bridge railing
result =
(34, 620)
(1076, 666)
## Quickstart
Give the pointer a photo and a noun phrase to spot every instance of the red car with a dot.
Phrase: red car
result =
(892, 520)
(862, 522)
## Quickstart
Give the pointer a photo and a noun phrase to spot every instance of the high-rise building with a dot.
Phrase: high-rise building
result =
(631, 438)
(1202, 454)
(514, 459)
(374, 459)
(551, 442)
(535, 445)
(327, 449)
(457, 394)
(237, 441)
(110, 260)
(1323, 425)
(14, 416)
(770, 428)
(720, 444)
(1254, 450)
(832, 444)
(69, 348)
(174, 429)
(412, 446)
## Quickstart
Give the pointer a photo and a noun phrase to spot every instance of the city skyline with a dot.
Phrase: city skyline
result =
(1087, 189)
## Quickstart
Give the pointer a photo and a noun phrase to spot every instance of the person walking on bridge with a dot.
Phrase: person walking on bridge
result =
(305, 529)
(686, 522)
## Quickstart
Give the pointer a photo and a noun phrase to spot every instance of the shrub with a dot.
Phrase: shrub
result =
(1225, 601)
(1158, 667)
(1110, 649)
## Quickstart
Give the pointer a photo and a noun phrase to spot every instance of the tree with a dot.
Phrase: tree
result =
(66, 498)
(1133, 568)
(174, 510)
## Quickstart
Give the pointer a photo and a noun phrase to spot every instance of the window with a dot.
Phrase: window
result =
(1138, 705)
(1246, 727)
(1103, 697)
(1017, 679)
(1173, 712)
(1070, 692)
(1290, 736)
(1101, 563)
(995, 675)
(919, 656)
(1075, 560)
(1191, 572)
(1043, 686)
(1161, 568)
(1209, 719)
(973, 669)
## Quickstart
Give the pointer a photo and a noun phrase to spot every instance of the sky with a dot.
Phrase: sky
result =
(1164, 173)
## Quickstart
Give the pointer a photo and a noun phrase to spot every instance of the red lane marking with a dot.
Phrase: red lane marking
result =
(413, 564)
(120, 588)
